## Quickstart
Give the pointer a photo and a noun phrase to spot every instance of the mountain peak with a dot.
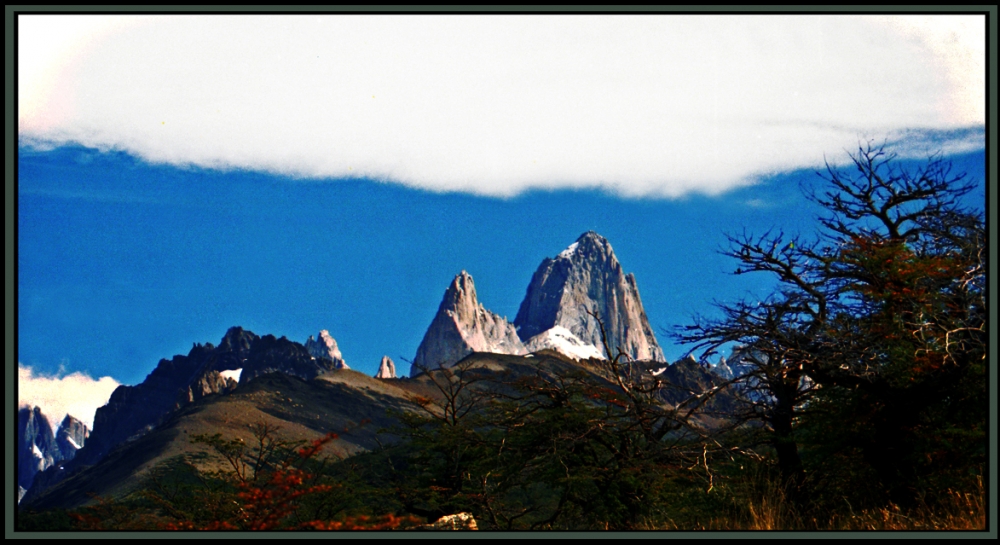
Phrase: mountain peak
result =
(36, 444)
(461, 291)
(589, 244)
(325, 346)
(71, 436)
(586, 278)
(70, 420)
(237, 339)
(386, 368)
(462, 326)
(593, 237)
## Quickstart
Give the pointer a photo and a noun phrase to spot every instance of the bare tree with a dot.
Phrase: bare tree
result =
(886, 305)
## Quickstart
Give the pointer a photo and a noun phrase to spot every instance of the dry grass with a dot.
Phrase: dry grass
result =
(957, 511)
(769, 510)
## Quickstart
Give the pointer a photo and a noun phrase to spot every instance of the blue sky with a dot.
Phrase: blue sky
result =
(182, 175)
(122, 263)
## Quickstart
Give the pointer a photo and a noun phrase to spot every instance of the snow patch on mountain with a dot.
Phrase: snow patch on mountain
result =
(565, 342)
(568, 252)
(233, 374)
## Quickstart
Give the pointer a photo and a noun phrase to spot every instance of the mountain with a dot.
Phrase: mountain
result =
(326, 347)
(386, 368)
(298, 409)
(584, 277)
(353, 404)
(71, 436)
(132, 411)
(553, 316)
(462, 326)
(722, 369)
(358, 407)
(686, 378)
(37, 449)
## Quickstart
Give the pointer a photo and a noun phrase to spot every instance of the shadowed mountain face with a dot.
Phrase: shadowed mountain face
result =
(586, 277)
(296, 409)
(71, 436)
(133, 411)
(39, 448)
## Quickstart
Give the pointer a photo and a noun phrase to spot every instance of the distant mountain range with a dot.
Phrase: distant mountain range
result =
(309, 389)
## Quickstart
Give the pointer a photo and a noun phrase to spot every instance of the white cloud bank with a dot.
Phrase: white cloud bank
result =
(495, 105)
(76, 393)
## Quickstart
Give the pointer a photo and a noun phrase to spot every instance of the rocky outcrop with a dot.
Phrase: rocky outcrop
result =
(386, 369)
(463, 326)
(211, 382)
(686, 378)
(71, 436)
(40, 451)
(722, 369)
(36, 444)
(584, 277)
(280, 355)
(326, 347)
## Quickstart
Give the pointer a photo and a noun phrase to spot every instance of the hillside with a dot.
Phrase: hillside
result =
(360, 409)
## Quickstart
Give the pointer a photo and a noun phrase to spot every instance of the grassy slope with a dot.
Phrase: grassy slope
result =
(338, 401)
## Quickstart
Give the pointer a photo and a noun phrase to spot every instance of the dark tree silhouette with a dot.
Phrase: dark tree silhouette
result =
(875, 335)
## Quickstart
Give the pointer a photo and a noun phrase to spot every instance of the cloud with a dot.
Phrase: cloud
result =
(76, 393)
(496, 105)
(921, 143)
(758, 203)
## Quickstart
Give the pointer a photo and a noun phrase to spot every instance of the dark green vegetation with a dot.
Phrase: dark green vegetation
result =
(860, 403)
(870, 358)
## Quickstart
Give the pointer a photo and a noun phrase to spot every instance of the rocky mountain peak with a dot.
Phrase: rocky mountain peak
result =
(590, 246)
(324, 346)
(71, 436)
(386, 369)
(237, 339)
(462, 326)
(460, 297)
(586, 278)
(37, 449)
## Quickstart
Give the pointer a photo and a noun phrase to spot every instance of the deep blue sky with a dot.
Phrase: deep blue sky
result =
(121, 263)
